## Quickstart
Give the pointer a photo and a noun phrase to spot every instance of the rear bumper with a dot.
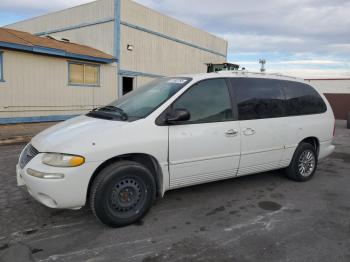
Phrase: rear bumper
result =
(326, 148)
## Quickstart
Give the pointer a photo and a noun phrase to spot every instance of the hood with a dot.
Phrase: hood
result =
(81, 130)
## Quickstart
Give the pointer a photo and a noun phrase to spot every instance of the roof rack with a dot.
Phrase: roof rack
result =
(255, 73)
(277, 74)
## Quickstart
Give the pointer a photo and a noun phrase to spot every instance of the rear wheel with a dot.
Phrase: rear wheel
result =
(304, 163)
(122, 193)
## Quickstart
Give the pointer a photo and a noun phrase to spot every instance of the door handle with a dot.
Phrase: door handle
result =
(248, 131)
(231, 132)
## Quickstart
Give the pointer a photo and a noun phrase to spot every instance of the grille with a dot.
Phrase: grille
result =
(28, 154)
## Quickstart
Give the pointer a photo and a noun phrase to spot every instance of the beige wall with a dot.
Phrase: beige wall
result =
(141, 80)
(337, 92)
(37, 85)
(99, 36)
(153, 54)
(87, 13)
(161, 56)
(137, 14)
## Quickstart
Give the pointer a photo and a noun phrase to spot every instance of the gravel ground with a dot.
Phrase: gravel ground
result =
(263, 217)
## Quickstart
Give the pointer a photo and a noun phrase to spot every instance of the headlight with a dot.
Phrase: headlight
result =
(62, 160)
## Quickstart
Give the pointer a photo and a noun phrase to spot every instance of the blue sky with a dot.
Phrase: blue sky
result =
(306, 38)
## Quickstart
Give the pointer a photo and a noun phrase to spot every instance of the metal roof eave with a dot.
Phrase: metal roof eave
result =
(55, 52)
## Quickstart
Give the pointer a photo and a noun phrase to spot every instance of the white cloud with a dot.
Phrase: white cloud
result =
(298, 62)
(341, 48)
(311, 62)
(261, 42)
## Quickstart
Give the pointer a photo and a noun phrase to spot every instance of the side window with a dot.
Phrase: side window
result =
(258, 98)
(208, 101)
(83, 74)
(302, 99)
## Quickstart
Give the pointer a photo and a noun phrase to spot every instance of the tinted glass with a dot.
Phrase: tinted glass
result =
(207, 101)
(258, 98)
(302, 99)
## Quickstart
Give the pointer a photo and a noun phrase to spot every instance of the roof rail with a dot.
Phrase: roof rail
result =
(277, 74)
(255, 73)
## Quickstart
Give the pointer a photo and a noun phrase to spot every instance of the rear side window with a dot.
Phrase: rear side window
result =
(258, 98)
(302, 99)
(207, 101)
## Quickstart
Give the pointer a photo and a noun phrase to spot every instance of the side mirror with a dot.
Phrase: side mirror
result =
(177, 115)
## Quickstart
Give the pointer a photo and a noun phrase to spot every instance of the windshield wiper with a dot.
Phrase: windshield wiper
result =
(123, 115)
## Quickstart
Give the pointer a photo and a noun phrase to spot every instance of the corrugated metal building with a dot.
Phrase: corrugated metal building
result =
(145, 44)
(337, 91)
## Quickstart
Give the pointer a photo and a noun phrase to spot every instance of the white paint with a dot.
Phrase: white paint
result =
(202, 152)
(198, 153)
(263, 147)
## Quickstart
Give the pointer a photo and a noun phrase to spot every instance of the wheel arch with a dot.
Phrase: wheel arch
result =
(150, 162)
(314, 141)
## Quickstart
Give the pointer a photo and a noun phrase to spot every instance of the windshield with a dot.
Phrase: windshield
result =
(143, 100)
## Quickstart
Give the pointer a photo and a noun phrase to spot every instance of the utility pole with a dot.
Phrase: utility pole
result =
(262, 62)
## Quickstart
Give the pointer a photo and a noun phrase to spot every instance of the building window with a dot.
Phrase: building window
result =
(83, 74)
(1, 67)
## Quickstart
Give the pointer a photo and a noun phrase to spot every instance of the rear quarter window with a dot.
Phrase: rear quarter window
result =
(302, 99)
(258, 98)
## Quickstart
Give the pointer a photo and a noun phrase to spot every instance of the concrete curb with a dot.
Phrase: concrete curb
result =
(15, 140)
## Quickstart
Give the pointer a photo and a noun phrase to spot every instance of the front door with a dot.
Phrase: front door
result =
(264, 128)
(207, 146)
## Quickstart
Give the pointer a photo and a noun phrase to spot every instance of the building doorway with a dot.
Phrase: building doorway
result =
(128, 85)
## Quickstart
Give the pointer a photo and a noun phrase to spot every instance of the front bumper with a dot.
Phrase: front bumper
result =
(67, 192)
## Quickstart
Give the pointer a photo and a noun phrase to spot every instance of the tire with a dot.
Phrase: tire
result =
(348, 120)
(122, 193)
(295, 169)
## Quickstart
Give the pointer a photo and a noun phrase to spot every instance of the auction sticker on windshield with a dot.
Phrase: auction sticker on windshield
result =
(177, 81)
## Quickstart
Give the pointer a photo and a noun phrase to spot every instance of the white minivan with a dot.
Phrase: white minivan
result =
(176, 132)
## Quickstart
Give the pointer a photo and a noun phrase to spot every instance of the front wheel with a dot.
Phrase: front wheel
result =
(304, 163)
(122, 193)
